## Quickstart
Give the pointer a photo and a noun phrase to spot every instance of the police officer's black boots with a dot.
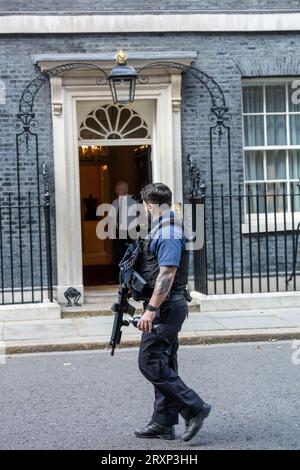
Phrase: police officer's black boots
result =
(156, 431)
(195, 424)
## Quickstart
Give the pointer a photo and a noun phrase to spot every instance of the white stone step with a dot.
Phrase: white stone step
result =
(255, 301)
(100, 299)
(104, 308)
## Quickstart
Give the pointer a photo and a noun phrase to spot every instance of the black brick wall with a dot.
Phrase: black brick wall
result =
(226, 57)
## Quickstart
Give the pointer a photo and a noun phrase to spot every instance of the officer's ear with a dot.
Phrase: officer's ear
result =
(148, 206)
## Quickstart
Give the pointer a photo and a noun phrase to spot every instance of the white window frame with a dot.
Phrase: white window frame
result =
(290, 221)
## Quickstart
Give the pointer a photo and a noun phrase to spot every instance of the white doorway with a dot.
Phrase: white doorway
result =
(153, 104)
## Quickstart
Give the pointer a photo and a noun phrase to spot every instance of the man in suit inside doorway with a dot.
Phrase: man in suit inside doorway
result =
(121, 205)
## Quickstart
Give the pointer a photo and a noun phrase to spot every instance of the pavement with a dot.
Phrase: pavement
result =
(200, 328)
(90, 400)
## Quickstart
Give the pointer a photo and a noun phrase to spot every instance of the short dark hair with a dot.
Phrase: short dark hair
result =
(157, 193)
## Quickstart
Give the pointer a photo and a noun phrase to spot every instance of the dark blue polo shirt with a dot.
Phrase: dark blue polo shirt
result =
(168, 243)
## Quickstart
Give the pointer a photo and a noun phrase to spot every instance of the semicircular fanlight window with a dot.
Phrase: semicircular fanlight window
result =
(113, 122)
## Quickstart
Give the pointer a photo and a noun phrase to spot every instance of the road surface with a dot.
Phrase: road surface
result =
(89, 400)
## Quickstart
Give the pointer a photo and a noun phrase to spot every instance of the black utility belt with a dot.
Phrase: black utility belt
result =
(179, 295)
(173, 298)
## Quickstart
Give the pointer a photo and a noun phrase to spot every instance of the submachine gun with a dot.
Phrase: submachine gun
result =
(120, 308)
(129, 279)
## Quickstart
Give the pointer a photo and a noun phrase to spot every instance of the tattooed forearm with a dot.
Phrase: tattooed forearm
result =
(163, 284)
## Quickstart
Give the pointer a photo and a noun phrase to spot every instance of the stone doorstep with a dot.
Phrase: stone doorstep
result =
(55, 311)
(100, 298)
(90, 310)
(104, 309)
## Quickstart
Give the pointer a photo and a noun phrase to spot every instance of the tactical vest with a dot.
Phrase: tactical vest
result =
(147, 264)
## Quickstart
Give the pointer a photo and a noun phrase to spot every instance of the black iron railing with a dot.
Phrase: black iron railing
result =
(251, 240)
(25, 249)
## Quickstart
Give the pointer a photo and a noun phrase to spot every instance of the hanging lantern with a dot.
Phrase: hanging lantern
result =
(122, 79)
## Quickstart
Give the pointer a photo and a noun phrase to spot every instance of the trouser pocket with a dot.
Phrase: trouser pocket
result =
(154, 364)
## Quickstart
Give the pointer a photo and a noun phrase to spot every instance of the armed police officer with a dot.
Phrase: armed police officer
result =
(163, 263)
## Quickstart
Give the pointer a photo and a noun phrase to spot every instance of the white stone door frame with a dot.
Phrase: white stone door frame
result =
(166, 163)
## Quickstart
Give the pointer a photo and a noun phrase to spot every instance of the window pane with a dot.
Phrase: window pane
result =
(276, 164)
(295, 129)
(254, 130)
(254, 165)
(294, 96)
(275, 98)
(253, 99)
(277, 197)
(276, 130)
(295, 197)
(255, 197)
(294, 164)
(273, 197)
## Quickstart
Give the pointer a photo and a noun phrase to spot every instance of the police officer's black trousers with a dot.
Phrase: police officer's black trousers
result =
(158, 364)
